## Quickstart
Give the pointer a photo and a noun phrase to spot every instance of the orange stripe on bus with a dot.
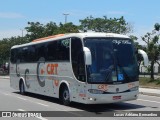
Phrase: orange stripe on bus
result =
(45, 38)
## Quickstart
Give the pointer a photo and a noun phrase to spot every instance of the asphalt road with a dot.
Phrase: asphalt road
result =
(11, 100)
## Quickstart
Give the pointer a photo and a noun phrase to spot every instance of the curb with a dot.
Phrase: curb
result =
(149, 87)
(4, 77)
(149, 94)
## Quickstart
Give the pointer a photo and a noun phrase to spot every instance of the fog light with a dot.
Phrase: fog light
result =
(90, 98)
(136, 96)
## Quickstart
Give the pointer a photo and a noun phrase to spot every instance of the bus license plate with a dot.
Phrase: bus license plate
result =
(116, 97)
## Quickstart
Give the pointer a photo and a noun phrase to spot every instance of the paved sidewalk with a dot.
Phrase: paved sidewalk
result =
(149, 91)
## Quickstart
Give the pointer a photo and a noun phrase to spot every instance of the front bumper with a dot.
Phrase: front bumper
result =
(111, 98)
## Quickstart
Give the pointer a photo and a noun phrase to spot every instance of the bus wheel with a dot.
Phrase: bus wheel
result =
(65, 96)
(21, 88)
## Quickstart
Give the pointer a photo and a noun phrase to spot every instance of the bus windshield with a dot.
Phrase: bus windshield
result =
(113, 60)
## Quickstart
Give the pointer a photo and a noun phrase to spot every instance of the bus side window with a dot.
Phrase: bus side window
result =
(51, 51)
(63, 50)
(31, 54)
(40, 51)
(13, 55)
(77, 57)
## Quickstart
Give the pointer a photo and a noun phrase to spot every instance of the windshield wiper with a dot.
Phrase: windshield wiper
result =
(109, 73)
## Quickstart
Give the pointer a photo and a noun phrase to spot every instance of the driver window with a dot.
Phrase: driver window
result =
(77, 56)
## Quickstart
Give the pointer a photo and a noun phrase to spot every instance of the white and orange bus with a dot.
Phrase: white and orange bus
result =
(89, 68)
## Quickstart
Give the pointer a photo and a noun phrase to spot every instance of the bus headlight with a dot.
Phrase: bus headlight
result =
(94, 91)
(134, 88)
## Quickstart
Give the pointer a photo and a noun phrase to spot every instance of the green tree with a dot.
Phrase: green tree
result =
(67, 28)
(37, 30)
(152, 47)
(50, 28)
(137, 46)
(34, 30)
(114, 25)
(5, 46)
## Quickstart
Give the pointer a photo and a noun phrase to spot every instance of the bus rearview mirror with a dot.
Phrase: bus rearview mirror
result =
(145, 57)
(88, 57)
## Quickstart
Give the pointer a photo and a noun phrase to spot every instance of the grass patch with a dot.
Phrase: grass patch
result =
(149, 83)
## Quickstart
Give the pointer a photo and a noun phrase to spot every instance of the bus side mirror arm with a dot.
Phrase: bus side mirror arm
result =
(145, 57)
(87, 56)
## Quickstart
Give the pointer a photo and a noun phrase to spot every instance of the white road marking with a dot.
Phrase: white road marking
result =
(41, 118)
(5, 94)
(14, 96)
(21, 110)
(21, 98)
(24, 99)
(148, 101)
(42, 104)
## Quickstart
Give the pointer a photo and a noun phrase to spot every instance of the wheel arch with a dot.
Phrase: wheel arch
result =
(64, 83)
(21, 80)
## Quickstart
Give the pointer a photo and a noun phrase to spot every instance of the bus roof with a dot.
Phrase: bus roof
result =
(80, 35)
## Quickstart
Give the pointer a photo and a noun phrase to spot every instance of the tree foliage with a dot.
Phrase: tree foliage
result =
(137, 46)
(37, 30)
(5, 46)
(113, 25)
(152, 47)
(67, 28)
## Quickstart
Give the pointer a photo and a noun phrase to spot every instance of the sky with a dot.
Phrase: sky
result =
(15, 14)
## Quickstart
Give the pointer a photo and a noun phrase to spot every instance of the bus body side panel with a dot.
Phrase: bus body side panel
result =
(14, 79)
(44, 79)
(25, 71)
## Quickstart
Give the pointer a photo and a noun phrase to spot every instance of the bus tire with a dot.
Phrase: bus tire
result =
(21, 88)
(64, 95)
